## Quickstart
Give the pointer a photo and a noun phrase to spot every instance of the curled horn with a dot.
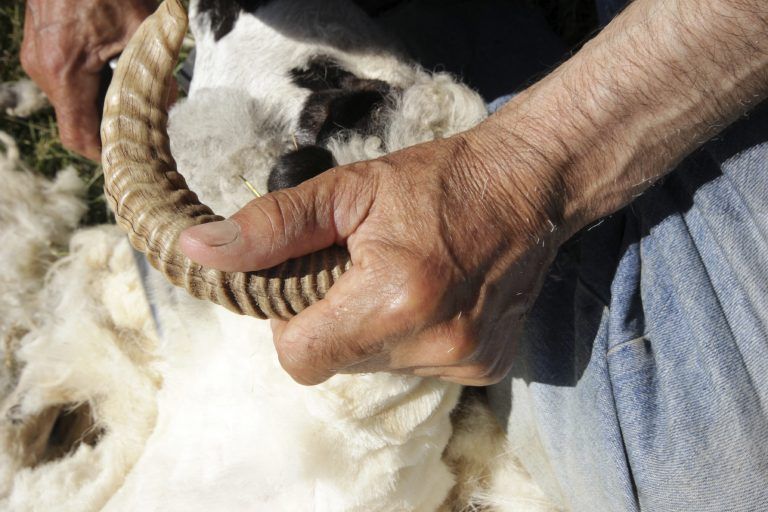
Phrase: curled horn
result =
(151, 199)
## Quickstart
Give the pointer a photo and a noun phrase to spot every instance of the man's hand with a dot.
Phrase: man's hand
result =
(450, 240)
(434, 240)
(66, 45)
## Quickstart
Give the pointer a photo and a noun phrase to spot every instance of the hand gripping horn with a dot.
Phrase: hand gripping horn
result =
(151, 199)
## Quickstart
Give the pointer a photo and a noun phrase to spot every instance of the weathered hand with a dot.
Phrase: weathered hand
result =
(449, 241)
(66, 45)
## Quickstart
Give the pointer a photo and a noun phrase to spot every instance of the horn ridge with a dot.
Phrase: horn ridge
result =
(152, 201)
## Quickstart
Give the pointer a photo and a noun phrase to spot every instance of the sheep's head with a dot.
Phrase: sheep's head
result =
(151, 199)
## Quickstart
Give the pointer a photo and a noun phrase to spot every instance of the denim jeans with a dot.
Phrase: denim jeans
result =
(642, 378)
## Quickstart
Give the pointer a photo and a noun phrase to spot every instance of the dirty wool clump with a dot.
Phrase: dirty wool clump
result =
(77, 382)
(37, 217)
(21, 99)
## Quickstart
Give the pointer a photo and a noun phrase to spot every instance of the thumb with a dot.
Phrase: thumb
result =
(280, 226)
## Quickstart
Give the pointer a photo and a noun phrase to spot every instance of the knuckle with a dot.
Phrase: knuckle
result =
(294, 347)
(297, 213)
(297, 373)
(423, 288)
(264, 220)
(279, 223)
(52, 64)
(302, 349)
(414, 297)
(289, 213)
(294, 359)
(369, 167)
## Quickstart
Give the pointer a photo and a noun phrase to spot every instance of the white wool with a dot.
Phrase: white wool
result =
(345, 445)
(21, 98)
(214, 152)
(37, 217)
(433, 107)
(95, 345)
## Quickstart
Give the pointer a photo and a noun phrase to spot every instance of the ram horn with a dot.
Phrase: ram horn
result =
(151, 199)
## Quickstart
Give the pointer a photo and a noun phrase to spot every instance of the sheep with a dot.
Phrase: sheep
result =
(215, 423)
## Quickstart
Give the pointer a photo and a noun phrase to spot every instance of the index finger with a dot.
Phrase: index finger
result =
(384, 301)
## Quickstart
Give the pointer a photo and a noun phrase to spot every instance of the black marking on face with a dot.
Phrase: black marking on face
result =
(298, 166)
(322, 73)
(329, 112)
(224, 13)
(339, 100)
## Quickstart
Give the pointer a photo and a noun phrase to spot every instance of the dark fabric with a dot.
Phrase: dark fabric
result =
(607, 9)
(495, 46)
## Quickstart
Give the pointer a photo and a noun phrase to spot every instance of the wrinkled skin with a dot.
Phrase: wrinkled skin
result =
(426, 282)
(450, 240)
(67, 44)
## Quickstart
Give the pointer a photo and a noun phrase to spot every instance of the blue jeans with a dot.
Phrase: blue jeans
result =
(642, 378)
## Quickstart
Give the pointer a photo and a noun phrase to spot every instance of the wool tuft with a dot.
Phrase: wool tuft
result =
(22, 98)
(85, 400)
(37, 217)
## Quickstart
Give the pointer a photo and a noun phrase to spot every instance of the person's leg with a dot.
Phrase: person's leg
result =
(691, 394)
(643, 378)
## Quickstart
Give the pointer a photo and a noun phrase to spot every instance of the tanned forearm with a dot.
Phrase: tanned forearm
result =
(659, 81)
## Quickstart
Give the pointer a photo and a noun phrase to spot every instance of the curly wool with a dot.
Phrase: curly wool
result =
(228, 429)
(245, 137)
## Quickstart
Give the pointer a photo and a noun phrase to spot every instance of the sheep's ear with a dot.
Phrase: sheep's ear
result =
(151, 199)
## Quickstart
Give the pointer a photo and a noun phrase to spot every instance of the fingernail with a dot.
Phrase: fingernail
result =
(215, 234)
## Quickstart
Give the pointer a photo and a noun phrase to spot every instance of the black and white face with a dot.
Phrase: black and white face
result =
(286, 89)
(222, 14)
(323, 68)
